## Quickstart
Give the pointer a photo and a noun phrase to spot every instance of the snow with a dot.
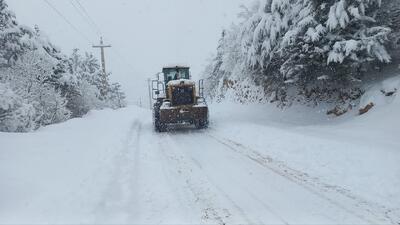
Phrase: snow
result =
(313, 34)
(323, 77)
(376, 93)
(358, 154)
(181, 82)
(200, 105)
(7, 96)
(58, 173)
(256, 164)
(15, 114)
(175, 65)
(343, 49)
(338, 15)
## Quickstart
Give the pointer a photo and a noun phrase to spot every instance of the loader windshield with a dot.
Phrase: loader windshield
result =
(175, 74)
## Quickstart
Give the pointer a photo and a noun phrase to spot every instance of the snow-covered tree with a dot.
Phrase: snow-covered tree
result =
(214, 71)
(353, 32)
(116, 97)
(14, 39)
(31, 77)
(389, 16)
(93, 88)
(304, 49)
(15, 114)
(39, 85)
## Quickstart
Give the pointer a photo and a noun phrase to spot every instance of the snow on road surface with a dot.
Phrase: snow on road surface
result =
(249, 167)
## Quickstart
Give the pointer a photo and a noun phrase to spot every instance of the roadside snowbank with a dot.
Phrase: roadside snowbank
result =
(58, 173)
(357, 153)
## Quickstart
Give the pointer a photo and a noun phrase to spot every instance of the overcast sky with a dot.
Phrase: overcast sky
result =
(145, 34)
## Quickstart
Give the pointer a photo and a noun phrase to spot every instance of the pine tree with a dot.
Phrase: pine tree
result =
(390, 16)
(12, 37)
(93, 88)
(355, 35)
(116, 96)
(213, 71)
(309, 49)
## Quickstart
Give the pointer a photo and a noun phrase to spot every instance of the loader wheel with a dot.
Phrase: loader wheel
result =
(160, 127)
(201, 124)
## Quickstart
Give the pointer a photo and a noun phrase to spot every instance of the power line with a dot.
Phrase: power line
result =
(91, 25)
(127, 63)
(91, 22)
(66, 20)
(96, 28)
(88, 15)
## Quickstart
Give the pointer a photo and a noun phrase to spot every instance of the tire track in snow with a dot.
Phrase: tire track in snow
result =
(169, 175)
(226, 196)
(313, 185)
(200, 188)
(244, 189)
(227, 199)
(120, 192)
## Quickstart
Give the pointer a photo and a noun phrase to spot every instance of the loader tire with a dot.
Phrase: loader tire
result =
(158, 125)
(201, 124)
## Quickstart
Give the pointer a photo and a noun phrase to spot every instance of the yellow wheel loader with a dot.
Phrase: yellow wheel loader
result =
(178, 100)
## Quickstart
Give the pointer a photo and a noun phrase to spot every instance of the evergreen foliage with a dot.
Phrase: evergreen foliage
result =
(310, 51)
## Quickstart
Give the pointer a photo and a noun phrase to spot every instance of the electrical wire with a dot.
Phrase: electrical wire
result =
(83, 9)
(127, 63)
(86, 16)
(66, 20)
(91, 25)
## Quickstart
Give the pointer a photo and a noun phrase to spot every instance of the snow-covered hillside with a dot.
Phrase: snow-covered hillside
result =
(313, 52)
(255, 164)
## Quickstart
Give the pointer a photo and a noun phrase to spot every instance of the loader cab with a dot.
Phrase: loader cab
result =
(176, 73)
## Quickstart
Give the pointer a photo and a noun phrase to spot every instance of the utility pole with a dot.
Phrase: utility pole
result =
(102, 46)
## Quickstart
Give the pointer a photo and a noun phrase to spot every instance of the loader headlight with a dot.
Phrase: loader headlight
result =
(166, 104)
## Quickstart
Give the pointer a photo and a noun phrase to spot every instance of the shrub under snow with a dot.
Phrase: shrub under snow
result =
(15, 114)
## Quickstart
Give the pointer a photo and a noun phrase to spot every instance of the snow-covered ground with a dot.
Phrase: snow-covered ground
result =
(254, 165)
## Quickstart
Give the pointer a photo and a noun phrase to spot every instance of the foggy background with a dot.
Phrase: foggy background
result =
(145, 34)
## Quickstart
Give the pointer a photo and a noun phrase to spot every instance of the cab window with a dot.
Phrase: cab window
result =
(176, 74)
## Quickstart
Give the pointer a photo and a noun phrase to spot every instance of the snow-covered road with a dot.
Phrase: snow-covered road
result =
(112, 168)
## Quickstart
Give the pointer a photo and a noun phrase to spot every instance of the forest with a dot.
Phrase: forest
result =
(308, 52)
(40, 85)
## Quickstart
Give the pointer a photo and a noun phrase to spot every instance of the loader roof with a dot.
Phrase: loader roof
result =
(172, 66)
